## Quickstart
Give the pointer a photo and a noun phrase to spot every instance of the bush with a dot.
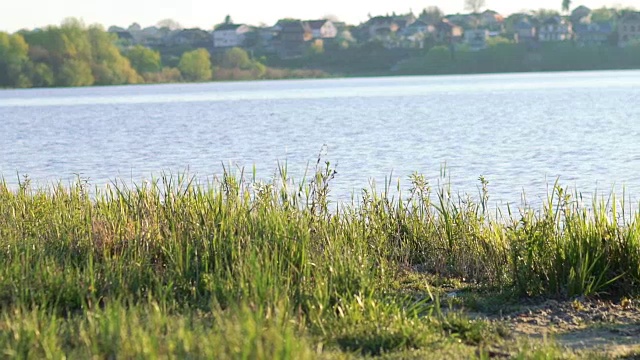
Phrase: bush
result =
(167, 75)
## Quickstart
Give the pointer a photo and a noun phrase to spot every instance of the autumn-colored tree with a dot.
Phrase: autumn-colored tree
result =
(66, 50)
(166, 75)
(108, 65)
(75, 55)
(76, 38)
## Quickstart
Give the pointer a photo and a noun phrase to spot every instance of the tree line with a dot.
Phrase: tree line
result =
(73, 54)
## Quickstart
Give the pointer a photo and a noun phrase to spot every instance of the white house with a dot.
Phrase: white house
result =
(322, 29)
(629, 29)
(229, 35)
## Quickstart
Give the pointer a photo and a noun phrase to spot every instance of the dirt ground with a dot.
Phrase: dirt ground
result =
(611, 329)
(587, 327)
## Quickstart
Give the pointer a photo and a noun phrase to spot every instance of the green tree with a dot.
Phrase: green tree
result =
(47, 46)
(66, 50)
(75, 73)
(41, 75)
(144, 60)
(14, 61)
(602, 14)
(438, 60)
(74, 55)
(236, 58)
(196, 65)
(108, 65)
(76, 38)
(566, 5)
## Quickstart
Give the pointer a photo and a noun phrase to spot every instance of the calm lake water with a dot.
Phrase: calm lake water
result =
(520, 131)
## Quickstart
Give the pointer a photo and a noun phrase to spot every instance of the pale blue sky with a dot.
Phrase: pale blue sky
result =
(17, 14)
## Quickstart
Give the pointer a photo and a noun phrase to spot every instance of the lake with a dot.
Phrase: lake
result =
(519, 131)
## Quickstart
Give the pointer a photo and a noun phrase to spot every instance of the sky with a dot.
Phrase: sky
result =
(29, 14)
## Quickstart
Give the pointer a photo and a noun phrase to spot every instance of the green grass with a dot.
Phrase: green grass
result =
(246, 270)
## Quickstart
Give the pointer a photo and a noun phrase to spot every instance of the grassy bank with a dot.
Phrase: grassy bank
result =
(239, 269)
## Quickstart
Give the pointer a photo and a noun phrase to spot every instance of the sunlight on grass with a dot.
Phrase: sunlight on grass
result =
(241, 269)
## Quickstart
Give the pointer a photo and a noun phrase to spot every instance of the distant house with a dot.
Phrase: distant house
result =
(266, 38)
(416, 33)
(322, 29)
(464, 21)
(629, 28)
(555, 29)
(124, 36)
(115, 29)
(593, 34)
(229, 35)
(152, 36)
(476, 39)
(525, 31)
(419, 27)
(492, 21)
(383, 26)
(196, 38)
(448, 33)
(293, 38)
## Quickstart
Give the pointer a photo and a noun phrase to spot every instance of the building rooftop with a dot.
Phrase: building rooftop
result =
(225, 27)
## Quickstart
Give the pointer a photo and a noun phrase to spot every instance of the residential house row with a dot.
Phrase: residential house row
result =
(290, 38)
(580, 28)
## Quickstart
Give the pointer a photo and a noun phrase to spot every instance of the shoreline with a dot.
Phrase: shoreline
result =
(336, 77)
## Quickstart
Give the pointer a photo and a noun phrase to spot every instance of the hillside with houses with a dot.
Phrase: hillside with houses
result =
(428, 42)
(295, 38)
(386, 43)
